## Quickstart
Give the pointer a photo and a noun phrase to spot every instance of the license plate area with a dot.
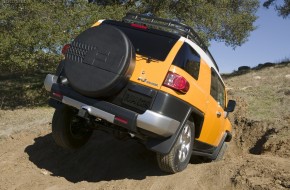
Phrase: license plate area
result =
(137, 100)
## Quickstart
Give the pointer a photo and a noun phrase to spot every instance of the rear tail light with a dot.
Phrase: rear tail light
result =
(176, 82)
(65, 49)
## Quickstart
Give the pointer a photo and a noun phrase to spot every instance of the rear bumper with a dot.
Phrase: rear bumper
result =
(150, 120)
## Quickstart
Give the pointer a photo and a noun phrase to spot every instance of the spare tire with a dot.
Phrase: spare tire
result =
(99, 61)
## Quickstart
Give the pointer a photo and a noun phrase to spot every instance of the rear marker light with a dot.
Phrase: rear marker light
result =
(65, 49)
(176, 82)
(121, 120)
(139, 26)
(57, 95)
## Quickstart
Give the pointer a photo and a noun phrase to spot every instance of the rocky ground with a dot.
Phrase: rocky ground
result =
(257, 157)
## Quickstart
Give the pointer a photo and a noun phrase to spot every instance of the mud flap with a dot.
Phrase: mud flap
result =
(163, 146)
(55, 104)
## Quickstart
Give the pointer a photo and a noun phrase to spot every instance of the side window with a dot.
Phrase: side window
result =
(189, 60)
(217, 90)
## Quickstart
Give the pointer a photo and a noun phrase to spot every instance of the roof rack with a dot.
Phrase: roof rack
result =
(169, 26)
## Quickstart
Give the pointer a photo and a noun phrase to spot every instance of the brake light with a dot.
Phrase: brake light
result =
(65, 49)
(176, 82)
(139, 26)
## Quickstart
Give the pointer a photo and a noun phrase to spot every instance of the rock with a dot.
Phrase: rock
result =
(287, 92)
(44, 172)
(257, 77)
(246, 87)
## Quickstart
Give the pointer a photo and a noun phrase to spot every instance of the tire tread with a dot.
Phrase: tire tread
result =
(166, 162)
(60, 133)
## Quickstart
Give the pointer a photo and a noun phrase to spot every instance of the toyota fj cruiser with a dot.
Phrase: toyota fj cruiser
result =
(145, 78)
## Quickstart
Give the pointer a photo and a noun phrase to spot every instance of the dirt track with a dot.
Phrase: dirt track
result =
(257, 158)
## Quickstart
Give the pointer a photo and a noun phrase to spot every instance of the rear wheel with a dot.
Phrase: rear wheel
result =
(178, 158)
(68, 130)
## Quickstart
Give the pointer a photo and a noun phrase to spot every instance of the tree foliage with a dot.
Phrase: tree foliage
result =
(283, 10)
(34, 31)
(229, 21)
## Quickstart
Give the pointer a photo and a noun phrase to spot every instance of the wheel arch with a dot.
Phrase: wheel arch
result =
(192, 114)
(197, 118)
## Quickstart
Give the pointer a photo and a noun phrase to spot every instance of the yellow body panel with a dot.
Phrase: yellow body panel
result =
(152, 72)
(96, 24)
(213, 126)
(228, 125)
(204, 76)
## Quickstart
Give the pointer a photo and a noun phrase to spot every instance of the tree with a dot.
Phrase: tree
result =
(229, 21)
(33, 33)
(283, 10)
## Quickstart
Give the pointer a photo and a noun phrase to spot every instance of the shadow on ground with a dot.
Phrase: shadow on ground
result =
(102, 159)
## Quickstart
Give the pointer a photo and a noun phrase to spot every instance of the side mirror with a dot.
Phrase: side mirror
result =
(231, 106)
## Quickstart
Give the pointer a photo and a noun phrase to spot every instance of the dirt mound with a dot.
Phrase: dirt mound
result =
(263, 173)
(261, 121)
(258, 137)
(278, 143)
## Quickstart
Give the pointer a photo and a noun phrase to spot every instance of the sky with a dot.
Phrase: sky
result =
(270, 42)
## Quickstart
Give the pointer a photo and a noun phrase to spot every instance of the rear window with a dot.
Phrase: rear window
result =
(189, 60)
(150, 43)
(217, 89)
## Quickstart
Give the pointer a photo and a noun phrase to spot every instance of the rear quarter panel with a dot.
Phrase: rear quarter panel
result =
(152, 73)
(199, 89)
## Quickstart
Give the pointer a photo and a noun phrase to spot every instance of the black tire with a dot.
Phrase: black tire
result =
(222, 152)
(68, 130)
(100, 61)
(174, 161)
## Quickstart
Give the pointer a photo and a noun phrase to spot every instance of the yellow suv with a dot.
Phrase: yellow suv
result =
(145, 78)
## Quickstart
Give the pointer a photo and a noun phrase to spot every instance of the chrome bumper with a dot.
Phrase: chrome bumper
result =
(150, 121)
(157, 123)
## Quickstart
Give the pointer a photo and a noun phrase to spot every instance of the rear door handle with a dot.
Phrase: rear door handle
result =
(219, 114)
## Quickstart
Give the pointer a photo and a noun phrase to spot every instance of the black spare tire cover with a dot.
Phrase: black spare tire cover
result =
(99, 61)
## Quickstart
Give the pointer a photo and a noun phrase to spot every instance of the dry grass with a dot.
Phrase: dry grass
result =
(266, 92)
